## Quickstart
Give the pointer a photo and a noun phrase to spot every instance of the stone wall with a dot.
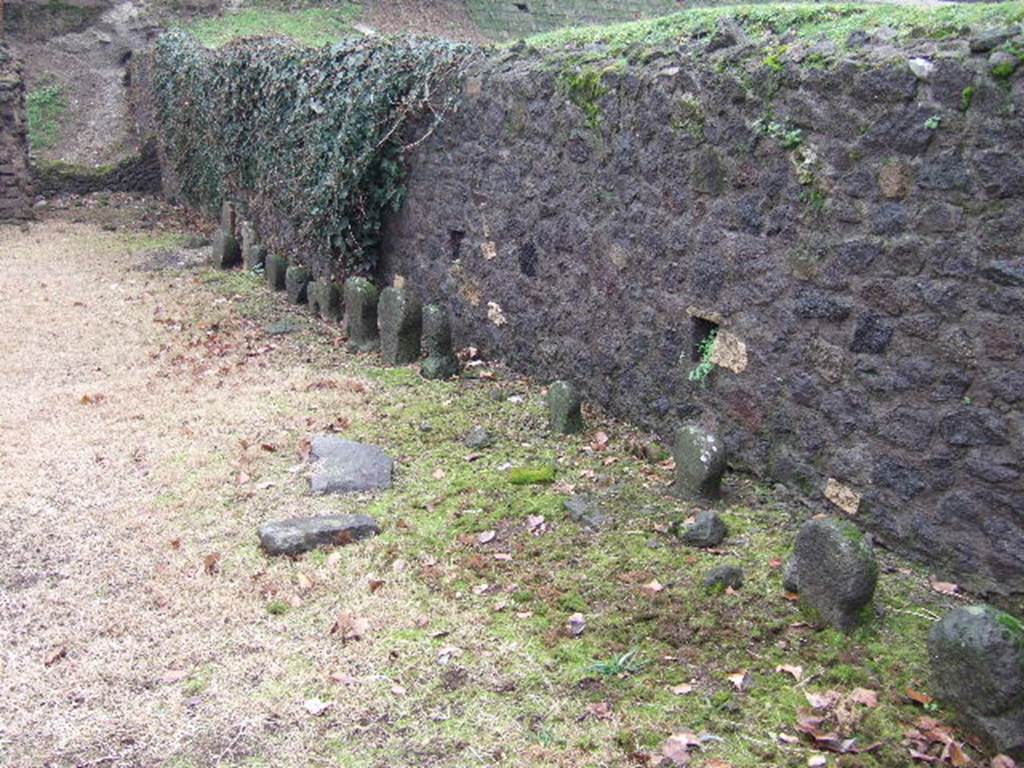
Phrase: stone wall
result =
(15, 184)
(855, 232)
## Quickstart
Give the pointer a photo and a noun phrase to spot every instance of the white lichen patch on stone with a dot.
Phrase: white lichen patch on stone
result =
(489, 250)
(843, 496)
(495, 313)
(729, 352)
(398, 281)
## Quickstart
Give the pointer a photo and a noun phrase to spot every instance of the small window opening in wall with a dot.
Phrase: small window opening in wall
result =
(528, 260)
(522, 7)
(703, 333)
(455, 238)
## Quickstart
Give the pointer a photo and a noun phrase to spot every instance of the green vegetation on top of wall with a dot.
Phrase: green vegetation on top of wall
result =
(45, 107)
(305, 26)
(319, 134)
(808, 21)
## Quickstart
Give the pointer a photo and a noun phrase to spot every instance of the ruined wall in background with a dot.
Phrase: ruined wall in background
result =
(15, 182)
(853, 229)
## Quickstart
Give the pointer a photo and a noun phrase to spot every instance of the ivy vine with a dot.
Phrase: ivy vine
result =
(319, 135)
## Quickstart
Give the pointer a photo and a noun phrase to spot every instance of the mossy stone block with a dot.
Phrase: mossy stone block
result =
(325, 299)
(400, 322)
(296, 282)
(700, 461)
(361, 299)
(276, 267)
(441, 362)
(565, 412)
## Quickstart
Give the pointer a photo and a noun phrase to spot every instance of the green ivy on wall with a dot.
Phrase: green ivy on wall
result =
(319, 134)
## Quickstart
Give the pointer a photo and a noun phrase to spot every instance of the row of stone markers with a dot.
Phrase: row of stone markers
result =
(976, 653)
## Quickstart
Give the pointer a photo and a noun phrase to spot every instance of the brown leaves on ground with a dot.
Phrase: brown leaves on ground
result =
(55, 655)
(929, 741)
(350, 626)
(833, 718)
(92, 399)
(678, 746)
(211, 564)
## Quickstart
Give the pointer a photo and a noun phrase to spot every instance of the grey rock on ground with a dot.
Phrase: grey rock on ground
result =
(441, 362)
(700, 461)
(478, 438)
(834, 566)
(723, 576)
(789, 582)
(564, 408)
(361, 301)
(400, 322)
(226, 251)
(324, 298)
(585, 511)
(988, 39)
(275, 268)
(708, 530)
(977, 663)
(296, 283)
(344, 466)
(301, 534)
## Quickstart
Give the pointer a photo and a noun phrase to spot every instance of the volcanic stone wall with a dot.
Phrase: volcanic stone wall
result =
(852, 230)
(15, 181)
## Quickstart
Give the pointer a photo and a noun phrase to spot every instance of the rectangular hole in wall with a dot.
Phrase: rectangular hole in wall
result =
(701, 330)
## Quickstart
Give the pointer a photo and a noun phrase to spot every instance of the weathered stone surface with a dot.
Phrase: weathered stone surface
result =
(587, 512)
(253, 251)
(478, 438)
(343, 466)
(361, 300)
(232, 213)
(988, 39)
(324, 298)
(977, 663)
(565, 414)
(724, 576)
(1003, 63)
(296, 283)
(834, 568)
(700, 461)
(226, 252)
(708, 530)
(276, 267)
(301, 534)
(400, 322)
(441, 362)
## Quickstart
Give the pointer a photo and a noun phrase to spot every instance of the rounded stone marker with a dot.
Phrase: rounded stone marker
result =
(361, 300)
(400, 322)
(226, 251)
(708, 530)
(296, 283)
(834, 566)
(977, 663)
(564, 408)
(441, 362)
(275, 267)
(700, 461)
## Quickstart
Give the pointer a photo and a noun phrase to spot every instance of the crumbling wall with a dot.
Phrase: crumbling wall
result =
(15, 181)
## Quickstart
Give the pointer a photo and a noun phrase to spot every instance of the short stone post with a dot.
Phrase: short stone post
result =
(700, 461)
(564, 408)
(276, 267)
(226, 251)
(325, 299)
(253, 252)
(400, 321)
(361, 314)
(441, 362)
(296, 281)
(231, 214)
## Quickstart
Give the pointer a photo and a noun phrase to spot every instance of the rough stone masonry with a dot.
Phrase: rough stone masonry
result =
(15, 174)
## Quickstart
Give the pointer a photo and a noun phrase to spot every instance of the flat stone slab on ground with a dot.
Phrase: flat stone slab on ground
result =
(344, 466)
(301, 534)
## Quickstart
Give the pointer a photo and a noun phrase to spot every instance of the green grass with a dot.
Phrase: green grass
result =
(307, 26)
(808, 21)
(45, 106)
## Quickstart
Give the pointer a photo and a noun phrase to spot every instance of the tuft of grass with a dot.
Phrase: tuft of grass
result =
(45, 107)
(618, 666)
(532, 475)
(277, 607)
(308, 26)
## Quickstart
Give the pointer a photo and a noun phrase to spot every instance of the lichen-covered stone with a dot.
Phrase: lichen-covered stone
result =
(724, 577)
(834, 566)
(478, 438)
(226, 251)
(700, 461)
(441, 362)
(296, 283)
(232, 213)
(253, 251)
(977, 664)
(400, 322)
(301, 534)
(565, 414)
(324, 298)
(587, 512)
(343, 466)
(361, 299)
(275, 269)
(708, 530)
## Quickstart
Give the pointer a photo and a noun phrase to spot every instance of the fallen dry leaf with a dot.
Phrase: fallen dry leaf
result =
(918, 698)
(797, 672)
(172, 676)
(315, 707)
(1003, 761)
(375, 584)
(682, 689)
(741, 680)
(945, 587)
(350, 626)
(864, 696)
(654, 587)
(343, 678)
(55, 655)
(211, 563)
(600, 710)
(677, 747)
(600, 441)
(486, 537)
(439, 474)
